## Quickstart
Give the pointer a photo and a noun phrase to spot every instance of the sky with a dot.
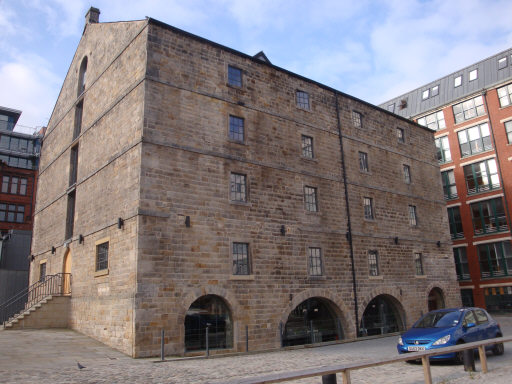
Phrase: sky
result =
(372, 49)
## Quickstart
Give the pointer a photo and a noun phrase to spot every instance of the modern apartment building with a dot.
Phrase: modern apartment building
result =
(188, 187)
(470, 111)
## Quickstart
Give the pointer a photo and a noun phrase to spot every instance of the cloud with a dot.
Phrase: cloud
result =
(61, 17)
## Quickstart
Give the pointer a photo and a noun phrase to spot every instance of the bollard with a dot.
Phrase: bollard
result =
(162, 345)
(207, 346)
(329, 379)
(311, 331)
(469, 360)
(246, 338)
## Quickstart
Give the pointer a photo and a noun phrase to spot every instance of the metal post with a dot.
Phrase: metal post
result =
(329, 379)
(162, 345)
(207, 347)
(311, 331)
(246, 338)
(469, 360)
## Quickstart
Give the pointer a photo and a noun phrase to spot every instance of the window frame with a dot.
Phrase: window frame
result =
(506, 94)
(363, 162)
(418, 264)
(407, 173)
(498, 264)
(482, 182)
(461, 263)
(236, 194)
(444, 154)
(235, 76)
(434, 121)
(309, 192)
(473, 74)
(479, 145)
(448, 184)
(503, 59)
(12, 213)
(457, 81)
(42, 270)
(508, 130)
(241, 261)
(236, 128)
(20, 185)
(302, 100)
(455, 222)
(473, 111)
(400, 133)
(373, 263)
(495, 222)
(368, 208)
(357, 119)
(102, 256)
(307, 149)
(413, 216)
(315, 262)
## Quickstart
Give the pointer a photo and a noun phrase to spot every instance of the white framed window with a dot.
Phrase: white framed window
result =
(373, 263)
(434, 91)
(457, 82)
(357, 119)
(505, 95)
(303, 100)
(473, 75)
(310, 199)
(425, 94)
(502, 63)
(433, 121)
(238, 187)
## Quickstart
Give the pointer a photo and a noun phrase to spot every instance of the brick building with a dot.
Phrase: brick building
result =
(471, 112)
(185, 184)
(19, 155)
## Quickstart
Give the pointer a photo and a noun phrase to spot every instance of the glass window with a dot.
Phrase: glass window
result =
(481, 177)
(11, 213)
(434, 91)
(70, 215)
(357, 119)
(363, 162)
(302, 99)
(495, 259)
(241, 259)
(455, 220)
(234, 76)
(4, 141)
(443, 150)
(400, 135)
(315, 261)
(78, 119)
(481, 317)
(73, 165)
(461, 263)
(391, 107)
(449, 186)
(14, 185)
(23, 186)
(13, 161)
(475, 140)
(5, 184)
(469, 318)
(473, 75)
(20, 214)
(433, 121)
(508, 130)
(236, 128)
(15, 144)
(425, 94)
(412, 215)
(502, 63)
(102, 256)
(418, 264)
(373, 263)
(368, 208)
(457, 81)
(307, 146)
(489, 216)
(505, 95)
(407, 174)
(238, 187)
(3, 212)
(82, 76)
(468, 109)
(42, 271)
(310, 199)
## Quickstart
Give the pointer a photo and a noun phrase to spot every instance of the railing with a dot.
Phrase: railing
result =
(53, 285)
(328, 372)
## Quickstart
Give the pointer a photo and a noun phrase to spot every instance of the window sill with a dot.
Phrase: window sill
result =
(476, 154)
(369, 220)
(242, 277)
(240, 203)
(310, 159)
(314, 213)
(234, 86)
(420, 276)
(232, 141)
(317, 278)
(486, 191)
(303, 109)
(379, 277)
(491, 233)
(365, 173)
(102, 272)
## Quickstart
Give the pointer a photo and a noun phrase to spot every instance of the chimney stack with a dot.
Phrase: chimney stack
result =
(92, 16)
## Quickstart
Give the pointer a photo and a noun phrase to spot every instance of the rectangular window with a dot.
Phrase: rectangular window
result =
(303, 100)
(42, 271)
(505, 95)
(434, 91)
(310, 199)
(307, 147)
(400, 135)
(241, 259)
(3, 212)
(23, 186)
(473, 75)
(315, 262)
(102, 256)
(363, 162)
(373, 263)
(407, 174)
(475, 140)
(508, 130)
(70, 215)
(14, 185)
(481, 177)
(468, 109)
(443, 150)
(12, 213)
(461, 263)
(489, 216)
(4, 141)
(238, 188)
(418, 264)
(425, 94)
(236, 128)
(20, 214)
(391, 107)
(455, 221)
(495, 259)
(73, 165)
(413, 220)
(5, 184)
(234, 76)
(449, 186)
(357, 119)
(433, 121)
(502, 63)
(78, 119)
(368, 208)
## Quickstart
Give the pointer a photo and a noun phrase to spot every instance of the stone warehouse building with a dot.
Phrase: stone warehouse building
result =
(186, 185)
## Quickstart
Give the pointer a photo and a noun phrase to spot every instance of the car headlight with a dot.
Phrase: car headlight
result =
(442, 340)
(400, 341)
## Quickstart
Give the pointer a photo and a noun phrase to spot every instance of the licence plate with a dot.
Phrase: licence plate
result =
(415, 348)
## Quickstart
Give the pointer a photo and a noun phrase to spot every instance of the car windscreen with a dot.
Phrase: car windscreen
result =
(439, 320)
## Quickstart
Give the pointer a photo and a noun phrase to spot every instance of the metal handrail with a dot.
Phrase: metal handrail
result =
(52, 285)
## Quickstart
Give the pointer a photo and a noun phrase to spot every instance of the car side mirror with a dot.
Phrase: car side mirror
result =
(470, 325)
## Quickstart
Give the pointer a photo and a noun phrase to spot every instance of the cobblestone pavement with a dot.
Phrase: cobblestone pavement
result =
(51, 356)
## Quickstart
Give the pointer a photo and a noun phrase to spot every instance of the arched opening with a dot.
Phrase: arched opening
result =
(382, 315)
(312, 321)
(66, 277)
(210, 312)
(81, 76)
(435, 299)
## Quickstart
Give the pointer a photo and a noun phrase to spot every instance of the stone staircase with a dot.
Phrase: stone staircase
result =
(50, 312)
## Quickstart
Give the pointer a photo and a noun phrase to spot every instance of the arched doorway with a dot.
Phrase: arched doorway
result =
(208, 311)
(312, 321)
(435, 299)
(382, 315)
(66, 277)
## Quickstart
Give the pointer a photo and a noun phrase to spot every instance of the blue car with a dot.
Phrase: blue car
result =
(449, 327)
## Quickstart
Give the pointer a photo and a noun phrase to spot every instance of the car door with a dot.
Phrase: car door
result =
(470, 333)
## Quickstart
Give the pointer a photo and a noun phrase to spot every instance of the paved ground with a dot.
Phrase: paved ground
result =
(51, 356)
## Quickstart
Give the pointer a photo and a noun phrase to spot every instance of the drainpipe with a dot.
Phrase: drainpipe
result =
(349, 225)
(509, 219)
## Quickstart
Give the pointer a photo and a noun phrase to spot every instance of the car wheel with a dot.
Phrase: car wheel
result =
(459, 356)
(498, 349)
